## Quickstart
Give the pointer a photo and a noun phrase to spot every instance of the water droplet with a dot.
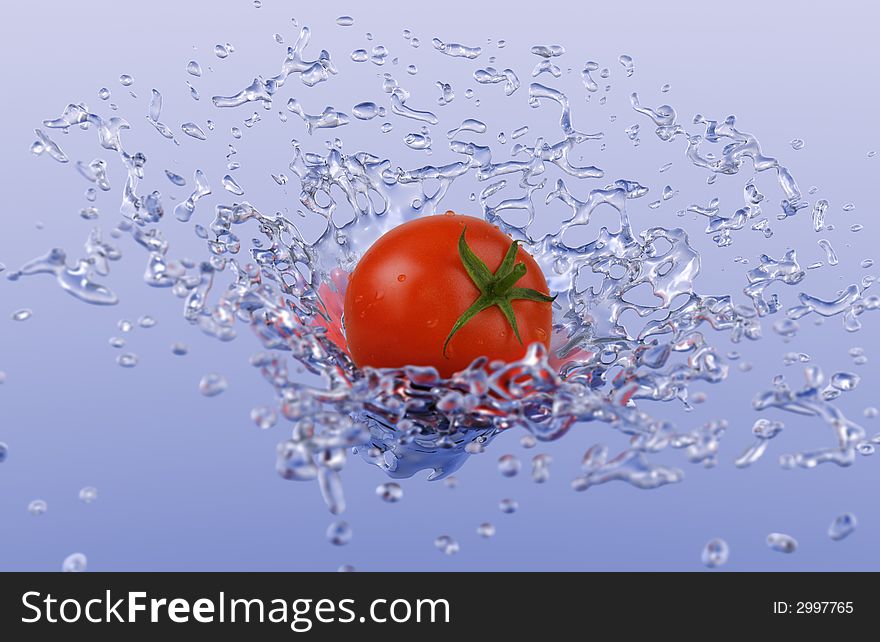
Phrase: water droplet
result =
(786, 327)
(75, 563)
(127, 360)
(191, 129)
(842, 526)
(830, 254)
(509, 465)
(345, 21)
(146, 321)
(221, 51)
(541, 468)
(528, 441)
(390, 492)
(104, 93)
(231, 186)
(264, 417)
(797, 143)
(446, 544)
(193, 68)
(125, 80)
(88, 494)
(845, 380)
(212, 384)
(508, 505)
(339, 533)
(179, 349)
(4, 452)
(124, 325)
(367, 111)
(180, 181)
(715, 553)
(22, 315)
(486, 530)
(37, 507)
(117, 342)
(782, 543)
(417, 141)
(360, 55)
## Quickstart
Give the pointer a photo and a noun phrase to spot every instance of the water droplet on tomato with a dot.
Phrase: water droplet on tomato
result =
(401, 277)
(541, 334)
(450, 213)
(359, 298)
(432, 323)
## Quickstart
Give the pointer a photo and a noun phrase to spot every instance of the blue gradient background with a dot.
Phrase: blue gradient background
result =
(188, 483)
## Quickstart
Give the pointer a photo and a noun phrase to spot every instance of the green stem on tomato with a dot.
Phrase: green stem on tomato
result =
(495, 289)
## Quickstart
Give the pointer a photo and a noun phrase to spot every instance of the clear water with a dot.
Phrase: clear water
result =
(259, 272)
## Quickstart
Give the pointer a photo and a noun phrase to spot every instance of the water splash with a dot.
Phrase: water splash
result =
(612, 353)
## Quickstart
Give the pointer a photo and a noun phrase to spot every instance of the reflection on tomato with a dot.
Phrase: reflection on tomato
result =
(442, 291)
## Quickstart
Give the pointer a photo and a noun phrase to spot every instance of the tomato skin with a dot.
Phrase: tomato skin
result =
(410, 287)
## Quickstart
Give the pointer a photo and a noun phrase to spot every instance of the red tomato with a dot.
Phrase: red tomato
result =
(406, 298)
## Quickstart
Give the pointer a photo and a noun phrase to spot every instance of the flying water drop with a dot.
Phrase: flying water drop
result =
(446, 544)
(782, 543)
(456, 50)
(127, 360)
(264, 417)
(508, 506)
(75, 563)
(842, 527)
(390, 492)
(715, 553)
(22, 315)
(339, 533)
(178, 180)
(509, 466)
(191, 129)
(231, 186)
(212, 384)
